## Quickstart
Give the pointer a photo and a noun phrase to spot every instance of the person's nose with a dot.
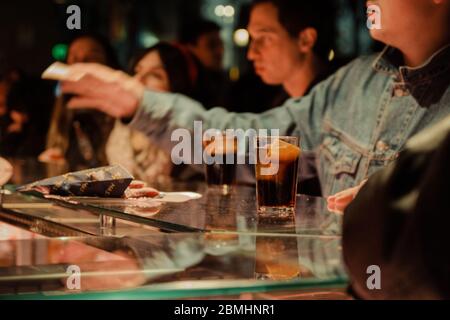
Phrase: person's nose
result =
(252, 52)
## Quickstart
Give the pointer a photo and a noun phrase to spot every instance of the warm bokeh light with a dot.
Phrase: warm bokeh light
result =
(219, 10)
(331, 55)
(234, 74)
(241, 37)
(224, 11)
(228, 11)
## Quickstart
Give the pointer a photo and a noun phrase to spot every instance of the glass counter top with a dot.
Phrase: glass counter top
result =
(162, 266)
(9, 232)
(212, 246)
(213, 212)
(47, 217)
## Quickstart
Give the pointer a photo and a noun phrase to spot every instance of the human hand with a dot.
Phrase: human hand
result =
(139, 189)
(340, 201)
(98, 87)
(52, 155)
(6, 171)
(101, 270)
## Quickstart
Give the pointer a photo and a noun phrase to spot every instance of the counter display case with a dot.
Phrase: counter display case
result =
(211, 246)
(167, 266)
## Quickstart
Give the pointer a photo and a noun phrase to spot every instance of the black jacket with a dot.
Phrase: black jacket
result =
(400, 222)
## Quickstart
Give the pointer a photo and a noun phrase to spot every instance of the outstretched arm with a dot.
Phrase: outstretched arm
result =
(158, 114)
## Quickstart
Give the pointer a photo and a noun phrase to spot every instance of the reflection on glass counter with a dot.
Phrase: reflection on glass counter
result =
(210, 245)
(235, 212)
(9, 232)
(52, 219)
(167, 265)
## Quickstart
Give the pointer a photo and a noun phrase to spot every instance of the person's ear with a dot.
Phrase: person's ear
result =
(307, 39)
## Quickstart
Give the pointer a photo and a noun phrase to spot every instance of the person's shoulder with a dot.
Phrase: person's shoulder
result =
(345, 73)
(361, 64)
(352, 72)
(367, 59)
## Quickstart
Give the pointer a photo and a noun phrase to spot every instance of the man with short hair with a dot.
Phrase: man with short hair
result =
(290, 42)
(203, 41)
(290, 45)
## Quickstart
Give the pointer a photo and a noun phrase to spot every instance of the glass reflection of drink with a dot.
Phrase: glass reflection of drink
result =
(277, 160)
(221, 150)
(220, 222)
(276, 258)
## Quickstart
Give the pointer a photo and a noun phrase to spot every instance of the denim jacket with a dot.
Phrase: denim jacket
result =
(357, 120)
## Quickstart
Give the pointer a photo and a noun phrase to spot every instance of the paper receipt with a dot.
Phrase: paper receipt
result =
(57, 71)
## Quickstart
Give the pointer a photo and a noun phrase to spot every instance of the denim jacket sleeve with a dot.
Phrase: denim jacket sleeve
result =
(160, 113)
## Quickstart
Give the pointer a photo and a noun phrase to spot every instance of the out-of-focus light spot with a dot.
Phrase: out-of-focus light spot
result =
(234, 74)
(241, 37)
(219, 11)
(228, 11)
(148, 39)
(331, 55)
(59, 51)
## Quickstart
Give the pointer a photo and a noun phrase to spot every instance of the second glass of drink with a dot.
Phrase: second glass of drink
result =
(221, 152)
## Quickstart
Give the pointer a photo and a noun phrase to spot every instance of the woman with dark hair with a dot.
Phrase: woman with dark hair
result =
(165, 68)
(79, 138)
(25, 122)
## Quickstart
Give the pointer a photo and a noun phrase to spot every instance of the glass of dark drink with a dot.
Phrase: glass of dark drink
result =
(220, 152)
(277, 162)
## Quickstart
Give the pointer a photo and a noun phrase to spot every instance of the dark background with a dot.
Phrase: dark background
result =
(30, 29)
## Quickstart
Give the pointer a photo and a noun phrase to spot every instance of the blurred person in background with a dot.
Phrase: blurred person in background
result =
(164, 68)
(291, 42)
(5, 118)
(4, 89)
(7, 78)
(25, 105)
(79, 138)
(202, 39)
(290, 45)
